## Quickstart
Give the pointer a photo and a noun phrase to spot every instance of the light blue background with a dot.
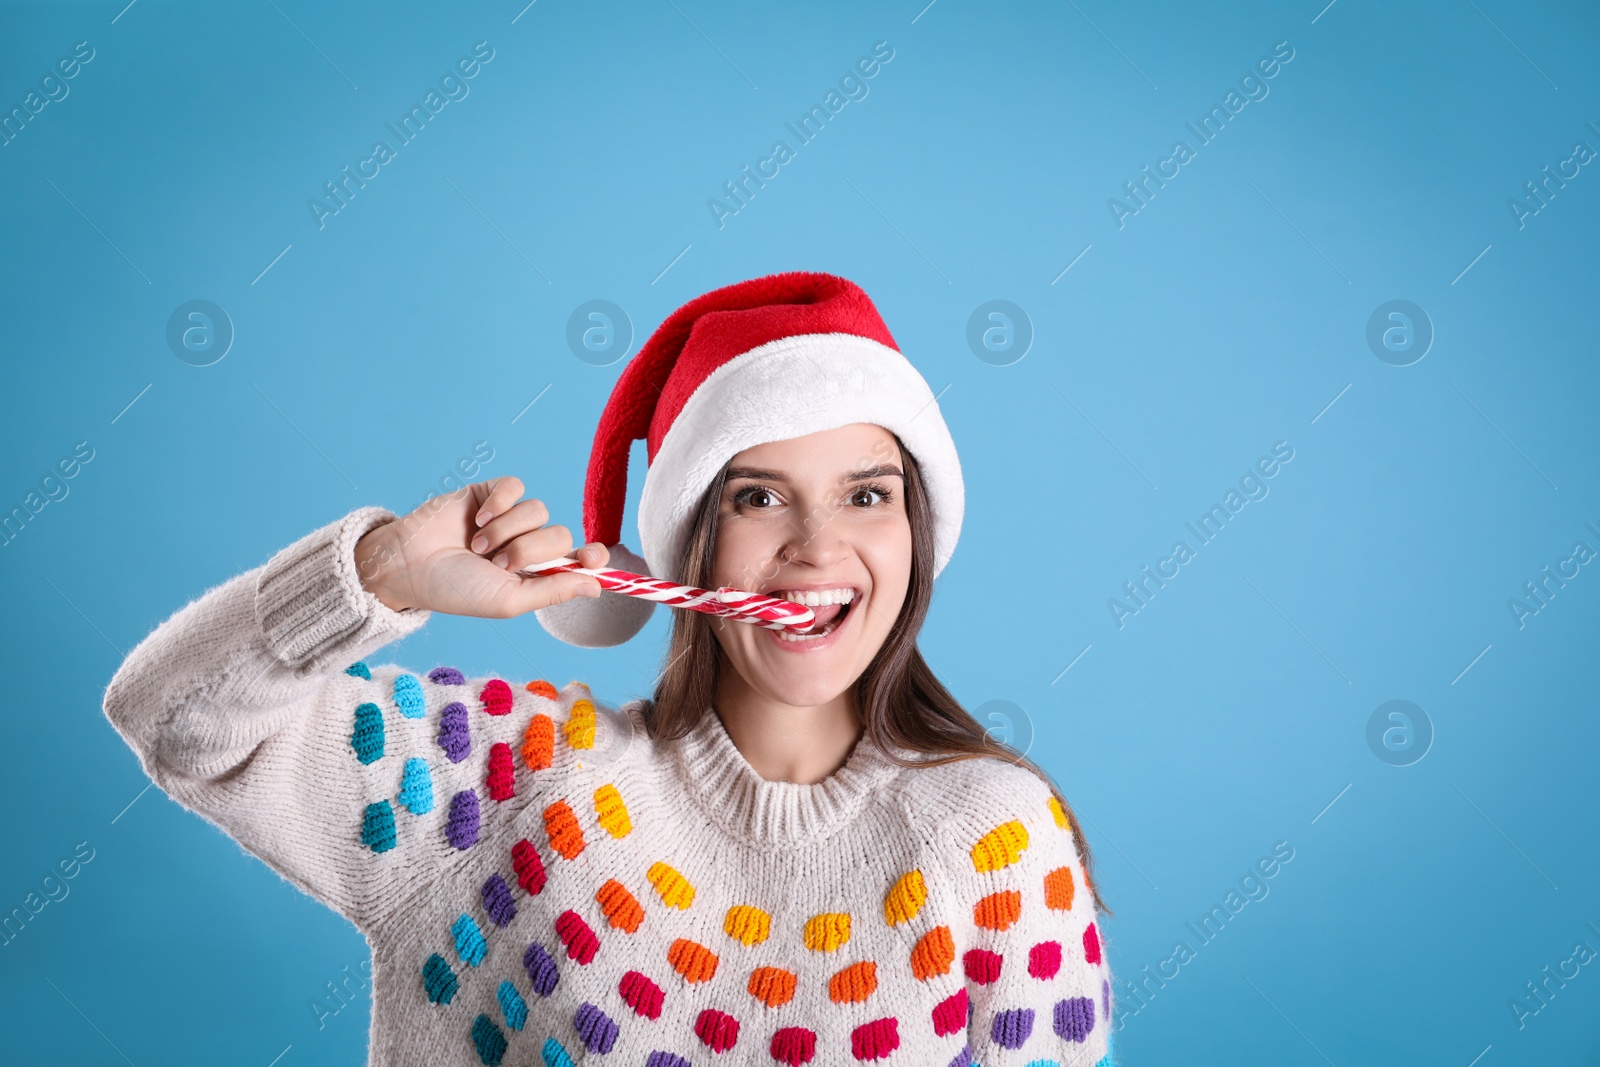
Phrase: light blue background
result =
(1225, 316)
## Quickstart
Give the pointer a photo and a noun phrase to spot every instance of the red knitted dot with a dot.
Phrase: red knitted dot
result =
(874, 1040)
(502, 780)
(496, 697)
(717, 1029)
(1044, 959)
(982, 966)
(950, 1014)
(641, 994)
(793, 1045)
(529, 867)
(1091, 944)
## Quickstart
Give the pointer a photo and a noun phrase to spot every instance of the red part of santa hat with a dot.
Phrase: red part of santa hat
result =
(762, 360)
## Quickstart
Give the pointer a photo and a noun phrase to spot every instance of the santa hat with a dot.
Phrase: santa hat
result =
(762, 360)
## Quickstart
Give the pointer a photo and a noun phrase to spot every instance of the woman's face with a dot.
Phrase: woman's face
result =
(820, 520)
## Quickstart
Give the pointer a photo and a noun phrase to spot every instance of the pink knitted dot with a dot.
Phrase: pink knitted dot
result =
(717, 1029)
(1044, 959)
(793, 1045)
(1091, 944)
(496, 697)
(502, 780)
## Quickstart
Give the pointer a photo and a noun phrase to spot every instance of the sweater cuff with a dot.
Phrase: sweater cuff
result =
(311, 606)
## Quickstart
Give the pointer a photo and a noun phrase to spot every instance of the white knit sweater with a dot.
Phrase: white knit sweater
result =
(543, 883)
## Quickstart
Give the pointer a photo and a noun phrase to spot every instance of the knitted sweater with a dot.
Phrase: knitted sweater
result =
(541, 882)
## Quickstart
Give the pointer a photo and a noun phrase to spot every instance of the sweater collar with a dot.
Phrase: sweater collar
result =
(749, 807)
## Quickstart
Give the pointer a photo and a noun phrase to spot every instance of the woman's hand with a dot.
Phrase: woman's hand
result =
(459, 554)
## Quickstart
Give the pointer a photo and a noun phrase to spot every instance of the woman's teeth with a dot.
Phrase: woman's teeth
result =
(815, 598)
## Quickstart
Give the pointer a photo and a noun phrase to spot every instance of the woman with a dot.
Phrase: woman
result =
(801, 850)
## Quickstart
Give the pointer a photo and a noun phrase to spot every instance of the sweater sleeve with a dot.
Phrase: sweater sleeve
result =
(1027, 943)
(229, 705)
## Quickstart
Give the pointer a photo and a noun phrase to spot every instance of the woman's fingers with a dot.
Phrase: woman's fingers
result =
(503, 492)
(531, 594)
(537, 546)
(594, 555)
(515, 520)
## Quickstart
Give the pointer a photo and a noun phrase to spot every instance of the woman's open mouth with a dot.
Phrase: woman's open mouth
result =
(831, 607)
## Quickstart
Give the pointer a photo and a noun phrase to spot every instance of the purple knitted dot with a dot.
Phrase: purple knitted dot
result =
(446, 676)
(462, 829)
(1011, 1028)
(453, 735)
(598, 1030)
(497, 900)
(541, 969)
(1074, 1018)
(1105, 999)
(963, 1058)
(665, 1059)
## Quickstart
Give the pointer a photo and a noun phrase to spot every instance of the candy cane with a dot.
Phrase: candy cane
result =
(765, 611)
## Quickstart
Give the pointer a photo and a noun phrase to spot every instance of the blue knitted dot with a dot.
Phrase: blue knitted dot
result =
(377, 827)
(497, 900)
(512, 1005)
(541, 969)
(554, 1054)
(470, 945)
(416, 786)
(491, 1043)
(367, 737)
(453, 735)
(408, 696)
(438, 980)
(358, 670)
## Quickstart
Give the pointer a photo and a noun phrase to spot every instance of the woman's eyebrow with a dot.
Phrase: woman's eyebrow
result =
(883, 470)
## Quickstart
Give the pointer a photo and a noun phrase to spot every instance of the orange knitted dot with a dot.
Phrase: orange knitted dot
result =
(773, 986)
(998, 911)
(561, 823)
(542, 688)
(1000, 847)
(934, 954)
(621, 907)
(747, 924)
(853, 984)
(692, 960)
(539, 742)
(1058, 889)
(905, 899)
(826, 932)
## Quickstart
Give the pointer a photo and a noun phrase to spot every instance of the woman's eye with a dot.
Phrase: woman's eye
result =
(865, 497)
(756, 497)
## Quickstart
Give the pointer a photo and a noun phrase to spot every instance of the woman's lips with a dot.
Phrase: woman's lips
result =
(826, 615)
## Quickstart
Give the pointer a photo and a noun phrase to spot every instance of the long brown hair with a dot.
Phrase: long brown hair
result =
(903, 703)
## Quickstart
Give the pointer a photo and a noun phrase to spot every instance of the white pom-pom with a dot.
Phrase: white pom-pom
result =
(603, 621)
